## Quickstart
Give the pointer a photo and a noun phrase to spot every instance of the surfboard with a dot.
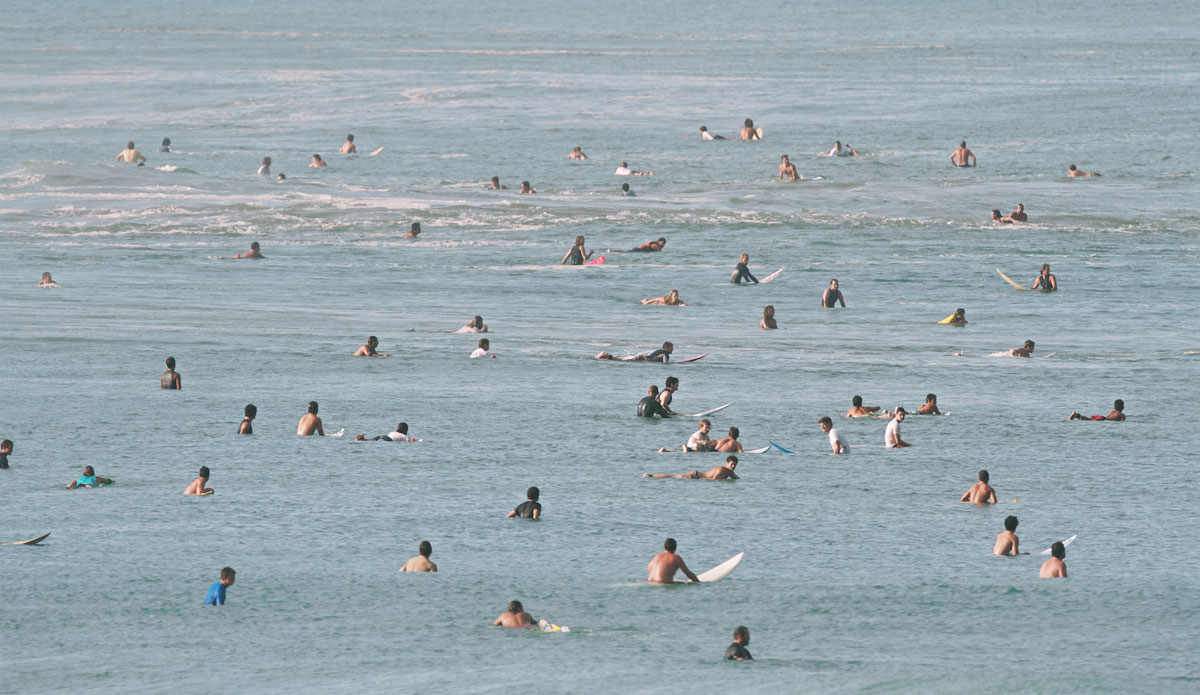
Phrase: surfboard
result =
(375, 152)
(948, 319)
(760, 450)
(1010, 281)
(722, 570)
(31, 541)
(781, 449)
(773, 275)
(1044, 552)
(338, 433)
(759, 133)
(707, 412)
(206, 492)
(692, 359)
(596, 261)
(547, 626)
(1049, 354)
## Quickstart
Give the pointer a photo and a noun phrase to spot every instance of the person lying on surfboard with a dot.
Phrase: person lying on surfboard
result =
(981, 492)
(857, 409)
(47, 281)
(1076, 173)
(89, 479)
(959, 318)
(663, 567)
(768, 319)
(1045, 281)
(367, 349)
(1007, 542)
(649, 246)
(197, 486)
(624, 170)
(705, 135)
(997, 217)
(1025, 350)
(662, 355)
(400, 434)
(929, 407)
(669, 299)
(577, 255)
(721, 472)
(1117, 414)
(515, 616)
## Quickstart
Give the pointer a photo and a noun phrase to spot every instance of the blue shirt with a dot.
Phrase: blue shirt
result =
(87, 480)
(216, 595)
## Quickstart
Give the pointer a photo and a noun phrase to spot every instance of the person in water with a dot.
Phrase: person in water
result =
(721, 472)
(1071, 172)
(737, 651)
(475, 325)
(981, 492)
(400, 434)
(663, 567)
(729, 442)
(1117, 414)
(47, 281)
(891, 436)
(669, 299)
(665, 396)
(495, 185)
(6, 449)
(254, 252)
(368, 349)
(627, 191)
(662, 355)
(962, 157)
(281, 177)
(413, 231)
(265, 169)
(840, 150)
(310, 423)
(165, 146)
(515, 616)
(649, 405)
(768, 318)
(749, 132)
(250, 413)
(857, 409)
(929, 407)
(831, 296)
(129, 155)
(530, 508)
(705, 135)
(787, 170)
(741, 272)
(483, 350)
(577, 255)
(1007, 542)
(216, 592)
(624, 170)
(1045, 281)
(526, 188)
(348, 146)
(836, 441)
(997, 217)
(1025, 350)
(651, 246)
(199, 486)
(1019, 215)
(88, 479)
(699, 441)
(170, 379)
(959, 318)
(317, 162)
(1055, 568)
(577, 153)
(421, 562)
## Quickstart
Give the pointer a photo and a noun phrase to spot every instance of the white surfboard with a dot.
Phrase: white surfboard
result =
(707, 412)
(31, 541)
(375, 152)
(338, 433)
(773, 275)
(722, 570)
(1065, 544)
(547, 626)
(1010, 281)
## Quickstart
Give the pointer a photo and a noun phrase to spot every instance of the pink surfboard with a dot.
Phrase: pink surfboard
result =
(596, 261)
(692, 359)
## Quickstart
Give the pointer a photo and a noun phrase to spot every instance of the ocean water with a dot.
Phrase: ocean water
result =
(861, 573)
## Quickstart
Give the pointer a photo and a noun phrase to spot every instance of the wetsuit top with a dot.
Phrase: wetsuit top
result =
(249, 427)
(4, 457)
(659, 355)
(164, 148)
(737, 651)
(649, 407)
(740, 273)
(87, 480)
(631, 194)
(525, 509)
(167, 380)
(576, 257)
(1043, 283)
(831, 299)
(216, 595)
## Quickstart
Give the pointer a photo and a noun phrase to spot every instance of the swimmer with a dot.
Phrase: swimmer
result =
(482, 350)
(265, 169)
(891, 436)
(705, 135)
(836, 440)
(1019, 215)
(722, 472)
(348, 146)
(250, 413)
(170, 379)
(1072, 172)
(787, 170)
(840, 150)
(475, 325)
(649, 405)
(663, 567)
(960, 317)
(165, 146)
(526, 188)
(857, 409)
(749, 132)
(368, 349)
(729, 442)
(281, 177)
(317, 162)
(6, 449)
(216, 592)
(670, 299)
(310, 423)
(831, 296)
(254, 252)
(47, 281)
(737, 651)
(624, 170)
(577, 153)
(495, 185)
(400, 434)
(413, 231)
(665, 396)
(530, 508)
(929, 407)
(962, 157)
(421, 562)
(662, 354)
(515, 616)
(88, 479)
(1007, 542)
(741, 272)
(652, 246)
(768, 318)
(981, 492)
(1025, 350)
(627, 191)
(1117, 414)
(198, 486)
(129, 155)
(1045, 281)
(997, 217)
(1055, 568)
(577, 255)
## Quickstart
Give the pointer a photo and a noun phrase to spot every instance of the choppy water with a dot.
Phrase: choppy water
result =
(861, 573)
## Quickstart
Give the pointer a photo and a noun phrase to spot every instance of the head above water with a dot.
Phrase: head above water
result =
(579, 240)
(88, 470)
(495, 180)
(1010, 523)
(748, 123)
(266, 160)
(741, 635)
(1045, 268)
(281, 177)
(768, 311)
(960, 312)
(204, 472)
(962, 143)
(316, 157)
(1028, 344)
(228, 573)
(734, 432)
(46, 277)
(624, 165)
(515, 607)
(402, 428)
(625, 187)
(826, 420)
(1119, 405)
(171, 363)
(166, 142)
(1058, 550)
(254, 245)
(6, 446)
(744, 258)
(349, 138)
(983, 476)
(477, 322)
(251, 411)
(672, 382)
(415, 228)
(783, 157)
(731, 459)
(312, 407)
(1071, 168)
(532, 493)
(931, 398)
(485, 343)
(425, 549)
(703, 129)
(833, 284)
(669, 545)
(653, 390)
(668, 346)
(372, 340)
(995, 214)
(129, 145)
(856, 401)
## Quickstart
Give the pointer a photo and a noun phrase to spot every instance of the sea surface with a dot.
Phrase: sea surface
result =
(862, 574)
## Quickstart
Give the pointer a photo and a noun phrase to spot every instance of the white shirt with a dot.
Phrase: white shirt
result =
(623, 171)
(845, 151)
(694, 441)
(706, 135)
(479, 352)
(397, 437)
(835, 437)
(892, 434)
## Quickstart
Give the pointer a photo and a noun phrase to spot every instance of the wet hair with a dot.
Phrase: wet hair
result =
(372, 340)
(1029, 344)
(577, 149)
(983, 476)
(734, 432)
(744, 258)
(45, 276)
(251, 411)
(768, 310)
(831, 281)
(930, 397)
(167, 142)
(669, 345)
(856, 401)
(1119, 405)
(625, 165)
(349, 138)
(6, 444)
(741, 631)
(749, 123)
(960, 310)
(88, 470)
(706, 421)
(254, 245)
(731, 458)
(962, 143)
(995, 214)
(532, 493)
(579, 240)
(672, 381)
(662, 240)
(515, 607)
(171, 363)
(1010, 523)
(204, 472)
(317, 157)
(402, 428)
(782, 157)
(416, 226)
(495, 179)
(281, 177)
(129, 145)
(826, 420)
(1058, 550)
(227, 573)
(624, 187)
(1045, 266)
(477, 322)
(266, 160)
(425, 548)
(703, 129)
(484, 343)
(525, 184)
(669, 545)
(1071, 168)
(312, 407)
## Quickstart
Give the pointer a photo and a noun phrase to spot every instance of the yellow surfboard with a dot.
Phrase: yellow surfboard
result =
(948, 319)
(1010, 281)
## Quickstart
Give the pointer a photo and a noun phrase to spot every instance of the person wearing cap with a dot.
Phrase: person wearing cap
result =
(891, 436)
(254, 252)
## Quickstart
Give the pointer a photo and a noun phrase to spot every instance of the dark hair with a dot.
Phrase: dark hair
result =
(661, 240)
(672, 381)
(731, 458)
(1029, 344)
(653, 392)
(624, 187)
(962, 143)
(129, 145)
(856, 401)
(477, 321)
(669, 545)
(1010, 523)
(1072, 167)
(254, 245)
(416, 226)
(930, 397)
(515, 606)
(402, 428)
(983, 476)
(525, 184)
(317, 157)
(227, 573)
(533, 493)
(350, 138)
(204, 472)
(166, 141)
(372, 340)
(251, 411)
(5, 443)
(668, 345)
(825, 421)
(734, 432)
(425, 548)
(960, 310)
(741, 631)
(484, 343)
(995, 213)
(282, 177)
(1119, 405)
(266, 160)
(495, 179)
(769, 306)
(312, 407)
(1058, 550)
(749, 123)
(88, 470)
(704, 128)
(171, 363)
(579, 240)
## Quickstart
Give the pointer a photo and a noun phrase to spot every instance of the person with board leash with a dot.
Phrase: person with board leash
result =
(250, 413)
(840, 150)
(197, 486)
(962, 157)
(1072, 172)
(958, 318)
(981, 492)
(737, 651)
(836, 441)
(89, 479)
(1055, 567)
(1117, 414)
(624, 170)
(421, 562)
(891, 436)
(310, 423)
(1026, 350)
(663, 567)
(1007, 543)
(170, 379)
(832, 295)
(1045, 281)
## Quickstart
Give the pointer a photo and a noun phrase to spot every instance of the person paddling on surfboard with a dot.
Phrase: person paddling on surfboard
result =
(705, 135)
(1007, 542)
(929, 407)
(663, 567)
(254, 252)
(1072, 171)
(857, 409)
(959, 318)
(367, 349)
(997, 217)
(578, 254)
(515, 616)
(47, 281)
(669, 299)
(88, 479)
(1025, 350)
(831, 296)
(1117, 414)
(1045, 281)
(198, 486)
(1055, 568)
(721, 472)
(624, 170)
(981, 492)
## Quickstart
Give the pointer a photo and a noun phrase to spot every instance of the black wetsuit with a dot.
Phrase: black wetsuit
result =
(737, 651)
(649, 407)
(832, 298)
(740, 273)
(4, 460)
(166, 380)
(525, 509)
(659, 355)
(576, 257)
(249, 427)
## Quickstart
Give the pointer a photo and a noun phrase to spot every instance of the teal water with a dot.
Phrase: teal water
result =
(862, 574)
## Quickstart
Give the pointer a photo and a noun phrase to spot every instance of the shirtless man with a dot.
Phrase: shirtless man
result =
(721, 472)
(831, 296)
(705, 135)
(577, 153)
(129, 155)
(317, 162)
(495, 185)
(670, 299)
(1071, 172)
(981, 492)
(310, 422)
(749, 132)
(1045, 281)
(836, 440)
(526, 188)
(368, 349)
(413, 231)
(198, 486)
(929, 407)
(47, 281)
(254, 252)
(515, 616)
(664, 396)
(1025, 350)
(787, 170)
(1055, 567)
(891, 436)
(729, 443)
(1117, 414)
(348, 146)
(421, 562)
(1019, 214)
(962, 157)
(664, 565)
(624, 170)
(857, 409)
(1007, 542)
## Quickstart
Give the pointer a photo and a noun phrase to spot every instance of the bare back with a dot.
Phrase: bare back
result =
(309, 424)
(1007, 543)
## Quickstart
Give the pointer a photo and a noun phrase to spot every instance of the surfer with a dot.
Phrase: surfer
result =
(1055, 567)
(648, 247)
(199, 485)
(129, 155)
(729, 443)
(857, 409)
(482, 350)
(530, 508)
(348, 146)
(1072, 172)
(962, 157)
(997, 217)
(741, 272)
(981, 492)
(475, 325)
(929, 407)
(669, 299)
(526, 188)
(628, 192)
(720, 472)
(577, 153)
(47, 281)
(787, 170)
(88, 479)
(836, 441)
(831, 296)
(663, 567)
(368, 349)
(400, 434)
(6, 449)
(170, 379)
(317, 162)
(254, 252)
(265, 169)
(649, 405)
(891, 436)
(959, 318)
(749, 132)
(1025, 350)
(705, 135)
(250, 413)
(664, 396)
(413, 231)
(515, 616)
(577, 255)
(840, 150)
(1045, 281)
(282, 177)
(737, 651)
(165, 146)
(216, 592)
(310, 423)
(768, 318)
(1117, 414)
(495, 185)
(1019, 215)
(1007, 542)
(700, 441)
(421, 562)
(624, 170)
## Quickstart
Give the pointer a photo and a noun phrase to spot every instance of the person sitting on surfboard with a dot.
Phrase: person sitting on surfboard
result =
(348, 146)
(981, 492)
(413, 231)
(216, 592)
(526, 188)
(891, 436)
(831, 296)
(749, 132)
(649, 405)
(1007, 542)
(663, 567)
(421, 562)
(624, 170)
(836, 440)
(1055, 568)
(197, 487)
(929, 407)
(1019, 215)
(840, 150)
(1117, 414)
(700, 441)
(1071, 172)
(1046, 280)
(669, 299)
(530, 508)
(6, 448)
(787, 170)
(310, 423)
(250, 413)
(741, 272)
(997, 217)
(962, 157)
(47, 281)
(577, 153)
(729, 443)
(476, 325)
(959, 318)
(705, 135)
(768, 318)
(368, 349)
(482, 350)
(1025, 350)
(88, 479)
(515, 616)
(578, 254)
(254, 252)
(857, 409)
(737, 651)
(720, 472)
